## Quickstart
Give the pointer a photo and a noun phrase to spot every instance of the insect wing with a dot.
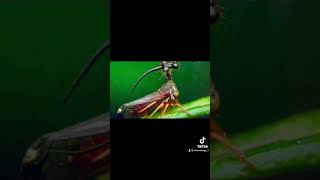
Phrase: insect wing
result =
(144, 105)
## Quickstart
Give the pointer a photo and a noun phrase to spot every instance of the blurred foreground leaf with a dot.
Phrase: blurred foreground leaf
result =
(288, 146)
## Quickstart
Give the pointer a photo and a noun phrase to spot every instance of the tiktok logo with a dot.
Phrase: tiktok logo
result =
(202, 140)
(202, 147)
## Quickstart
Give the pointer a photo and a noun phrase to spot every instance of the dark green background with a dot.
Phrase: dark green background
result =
(43, 46)
(192, 80)
(266, 60)
(265, 52)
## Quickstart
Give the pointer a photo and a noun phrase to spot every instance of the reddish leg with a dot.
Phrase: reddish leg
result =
(101, 156)
(218, 134)
(164, 110)
(233, 149)
(160, 106)
(177, 103)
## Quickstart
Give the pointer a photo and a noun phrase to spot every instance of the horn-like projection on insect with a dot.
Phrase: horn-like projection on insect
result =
(86, 69)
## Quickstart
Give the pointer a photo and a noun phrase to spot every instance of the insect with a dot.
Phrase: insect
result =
(163, 98)
(85, 145)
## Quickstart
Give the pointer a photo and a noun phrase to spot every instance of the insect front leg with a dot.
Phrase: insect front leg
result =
(177, 103)
(165, 109)
(234, 149)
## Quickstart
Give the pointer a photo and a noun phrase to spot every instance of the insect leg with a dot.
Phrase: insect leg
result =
(216, 129)
(151, 104)
(164, 110)
(156, 110)
(101, 156)
(234, 150)
(177, 103)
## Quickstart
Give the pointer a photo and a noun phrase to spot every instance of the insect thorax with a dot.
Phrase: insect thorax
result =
(170, 87)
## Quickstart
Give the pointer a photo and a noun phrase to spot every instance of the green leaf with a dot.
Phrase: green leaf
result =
(197, 108)
(290, 145)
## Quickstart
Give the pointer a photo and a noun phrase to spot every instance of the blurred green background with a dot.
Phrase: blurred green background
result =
(192, 80)
(266, 60)
(43, 46)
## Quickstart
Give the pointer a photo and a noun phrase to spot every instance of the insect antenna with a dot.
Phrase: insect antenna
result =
(144, 75)
(86, 69)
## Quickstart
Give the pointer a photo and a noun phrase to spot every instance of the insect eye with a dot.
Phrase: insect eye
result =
(175, 65)
(176, 93)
